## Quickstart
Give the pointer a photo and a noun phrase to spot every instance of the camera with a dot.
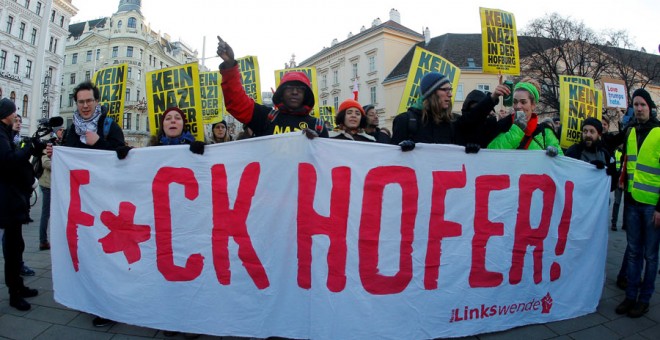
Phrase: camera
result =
(45, 128)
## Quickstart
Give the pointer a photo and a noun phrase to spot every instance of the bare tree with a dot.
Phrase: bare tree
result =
(552, 46)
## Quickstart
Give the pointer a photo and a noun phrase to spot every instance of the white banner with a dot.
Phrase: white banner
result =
(328, 239)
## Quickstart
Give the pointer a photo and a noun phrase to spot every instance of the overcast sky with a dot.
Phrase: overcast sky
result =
(273, 30)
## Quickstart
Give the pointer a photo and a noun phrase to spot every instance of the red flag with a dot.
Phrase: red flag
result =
(355, 89)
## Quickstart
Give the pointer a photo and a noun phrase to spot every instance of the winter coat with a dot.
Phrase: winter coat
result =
(513, 137)
(112, 141)
(359, 137)
(16, 179)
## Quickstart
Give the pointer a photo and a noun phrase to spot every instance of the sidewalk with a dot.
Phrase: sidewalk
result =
(50, 320)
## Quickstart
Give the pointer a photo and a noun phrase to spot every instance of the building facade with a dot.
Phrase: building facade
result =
(365, 57)
(32, 35)
(124, 37)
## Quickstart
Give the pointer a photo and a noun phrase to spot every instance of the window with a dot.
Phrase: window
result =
(128, 94)
(74, 59)
(27, 4)
(70, 100)
(21, 31)
(3, 59)
(129, 51)
(61, 21)
(28, 69)
(52, 46)
(73, 79)
(372, 63)
(325, 102)
(17, 63)
(33, 37)
(25, 106)
(98, 54)
(12, 96)
(119, 24)
(458, 93)
(52, 16)
(10, 22)
(372, 95)
(127, 120)
(131, 22)
(335, 77)
(130, 73)
(483, 87)
(336, 102)
(89, 56)
(88, 75)
(355, 70)
(139, 77)
(324, 81)
(38, 9)
(137, 120)
(115, 51)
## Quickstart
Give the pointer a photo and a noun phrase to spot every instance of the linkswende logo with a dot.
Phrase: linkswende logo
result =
(483, 311)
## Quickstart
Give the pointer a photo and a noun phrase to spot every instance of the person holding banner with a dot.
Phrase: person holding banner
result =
(591, 149)
(642, 206)
(293, 101)
(219, 133)
(173, 131)
(350, 120)
(431, 119)
(522, 130)
(372, 128)
(16, 178)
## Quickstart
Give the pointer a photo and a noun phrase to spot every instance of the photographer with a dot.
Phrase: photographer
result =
(44, 184)
(16, 180)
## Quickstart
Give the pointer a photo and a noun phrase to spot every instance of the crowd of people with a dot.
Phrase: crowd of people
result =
(630, 156)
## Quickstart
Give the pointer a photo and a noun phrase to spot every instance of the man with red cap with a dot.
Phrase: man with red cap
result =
(293, 101)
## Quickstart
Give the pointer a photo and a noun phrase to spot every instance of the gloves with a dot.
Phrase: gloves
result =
(551, 151)
(407, 145)
(122, 151)
(521, 120)
(472, 148)
(197, 147)
(598, 163)
(311, 134)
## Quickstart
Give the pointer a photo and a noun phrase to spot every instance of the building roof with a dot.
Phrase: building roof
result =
(77, 29)
(390, 24)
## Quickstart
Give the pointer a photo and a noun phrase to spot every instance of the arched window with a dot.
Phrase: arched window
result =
(119, 24)
(25, 106)
(131, 22)
(12, 96)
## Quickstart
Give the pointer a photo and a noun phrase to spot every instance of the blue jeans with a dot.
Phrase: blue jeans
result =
(45, 214)
(643, 240)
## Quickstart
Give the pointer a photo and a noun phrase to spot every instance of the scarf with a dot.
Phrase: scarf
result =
(83, 125)
(184, 138)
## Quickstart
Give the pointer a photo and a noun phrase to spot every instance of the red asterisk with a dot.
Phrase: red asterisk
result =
(124, 235)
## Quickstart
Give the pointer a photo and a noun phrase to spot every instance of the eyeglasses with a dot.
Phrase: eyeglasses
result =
(446, 89)
(86, 102)
(299, 88)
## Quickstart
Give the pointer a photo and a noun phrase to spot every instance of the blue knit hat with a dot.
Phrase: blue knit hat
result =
(431, 82)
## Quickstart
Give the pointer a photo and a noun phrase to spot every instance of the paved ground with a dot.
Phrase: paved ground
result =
(50, 320)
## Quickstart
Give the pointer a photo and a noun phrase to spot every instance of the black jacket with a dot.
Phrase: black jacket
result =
(16, 179)
(576, 151)
(113, 140)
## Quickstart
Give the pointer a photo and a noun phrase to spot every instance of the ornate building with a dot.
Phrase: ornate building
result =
(124, 37)
(31, 56)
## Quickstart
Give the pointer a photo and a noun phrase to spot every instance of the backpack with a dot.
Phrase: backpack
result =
(37, 167)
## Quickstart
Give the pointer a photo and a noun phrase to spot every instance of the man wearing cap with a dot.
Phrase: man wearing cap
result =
(591, 150)
(642, 206)
(16, 178)
(293, 100)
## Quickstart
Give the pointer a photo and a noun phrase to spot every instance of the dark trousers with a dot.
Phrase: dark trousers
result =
(12, 249)
(45, 214)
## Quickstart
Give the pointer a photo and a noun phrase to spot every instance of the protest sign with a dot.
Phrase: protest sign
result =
(249, 68)
(577, 103)
(211, 96)
(328, 114)
(111, 82)
(286, 236)
(616, 95)
(422, 63)
(499, 42)
(310, 72)
(176, 86)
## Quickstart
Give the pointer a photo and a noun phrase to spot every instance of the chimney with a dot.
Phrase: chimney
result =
(395, 16)
(427, 36)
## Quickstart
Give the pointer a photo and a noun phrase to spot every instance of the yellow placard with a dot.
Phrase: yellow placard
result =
(111, 82)
(499, 42)
(310, 72)
(422, 63)
(577, 103)
(211, 95)
(249, 68)
(564, 79)
(175, 86)
(327, 114)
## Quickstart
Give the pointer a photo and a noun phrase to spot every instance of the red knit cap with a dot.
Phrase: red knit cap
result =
(348, 103)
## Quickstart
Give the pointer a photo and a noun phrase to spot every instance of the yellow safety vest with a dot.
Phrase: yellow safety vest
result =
(644, 168)
(617, 158)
